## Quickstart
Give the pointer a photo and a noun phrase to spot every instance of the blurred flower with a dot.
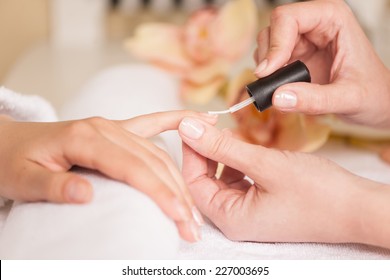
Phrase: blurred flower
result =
(373, 139)
(293, 131)
(203, 51)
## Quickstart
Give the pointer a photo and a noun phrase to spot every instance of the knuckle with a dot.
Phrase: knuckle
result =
(220, 146)
(314, 103)
(81, 131)
(97, 121)
(356, 100)
(315, 106)
(78, 128)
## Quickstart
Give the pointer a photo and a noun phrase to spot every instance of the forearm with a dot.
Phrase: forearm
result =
(374, 220)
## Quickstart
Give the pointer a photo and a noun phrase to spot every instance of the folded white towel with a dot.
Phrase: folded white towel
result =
(25, 107)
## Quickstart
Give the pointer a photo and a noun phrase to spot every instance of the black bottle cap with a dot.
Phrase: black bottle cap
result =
(263, 89)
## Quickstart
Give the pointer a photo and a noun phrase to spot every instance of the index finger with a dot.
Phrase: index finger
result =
(288, 22)
(152, 124)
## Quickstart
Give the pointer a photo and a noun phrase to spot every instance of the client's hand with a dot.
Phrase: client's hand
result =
(36, 157)
(295, 197)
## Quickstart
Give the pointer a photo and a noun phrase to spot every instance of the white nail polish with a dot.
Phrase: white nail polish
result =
(191, 128)
(197, 216)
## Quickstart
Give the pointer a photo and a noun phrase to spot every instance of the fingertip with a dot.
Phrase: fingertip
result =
(209, 116)
(197, 216)
(191, 128)
(189, 231)
(78, 190)
(261, 68)
(285, 100)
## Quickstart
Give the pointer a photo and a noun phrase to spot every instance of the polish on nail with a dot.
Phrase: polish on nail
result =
(191, 128)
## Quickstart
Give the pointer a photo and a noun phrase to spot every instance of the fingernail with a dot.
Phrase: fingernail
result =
(78, 192)
(181, 210)
(213, 116)
(285, 100)
(261, 67)
(195, 231)
(197, 216)
(191, 128)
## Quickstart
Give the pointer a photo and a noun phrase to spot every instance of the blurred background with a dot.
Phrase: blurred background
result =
(50, 47)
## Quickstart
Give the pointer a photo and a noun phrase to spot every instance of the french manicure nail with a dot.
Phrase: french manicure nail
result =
(191, 128)
(285, 100)
(261, 67)
(77, 192)
(208, 115)
(195, 231)
(181, 210)
(197, 216)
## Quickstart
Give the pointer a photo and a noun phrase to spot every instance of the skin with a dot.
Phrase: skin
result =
(36, 161)
(295, 197)
(348, 77)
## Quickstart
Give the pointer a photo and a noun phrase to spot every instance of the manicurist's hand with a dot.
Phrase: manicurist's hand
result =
(348, 77)
(295, 197)
(36, 159)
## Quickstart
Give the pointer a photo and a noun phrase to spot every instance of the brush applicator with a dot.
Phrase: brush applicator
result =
(262, 90)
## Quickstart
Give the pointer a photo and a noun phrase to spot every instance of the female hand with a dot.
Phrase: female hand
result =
(348, 77)
(36, 159)
(295, 197)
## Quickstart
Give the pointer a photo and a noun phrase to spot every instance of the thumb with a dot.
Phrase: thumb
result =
(315, 99)
(220, 146)
(60, 187)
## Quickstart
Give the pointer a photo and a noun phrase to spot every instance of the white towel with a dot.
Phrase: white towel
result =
(25, 107)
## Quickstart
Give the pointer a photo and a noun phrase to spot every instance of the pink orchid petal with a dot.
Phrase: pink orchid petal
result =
(301, 133)
(205, 73)
(161, 44)
(234, 28)
(271, 128)
(201, 94)
(197, 39)
(385, 154)
(236, 86)
(255, 127)
(342, 128)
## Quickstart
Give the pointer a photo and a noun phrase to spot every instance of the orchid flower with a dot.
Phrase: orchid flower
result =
(293, 131)
(203, 51)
